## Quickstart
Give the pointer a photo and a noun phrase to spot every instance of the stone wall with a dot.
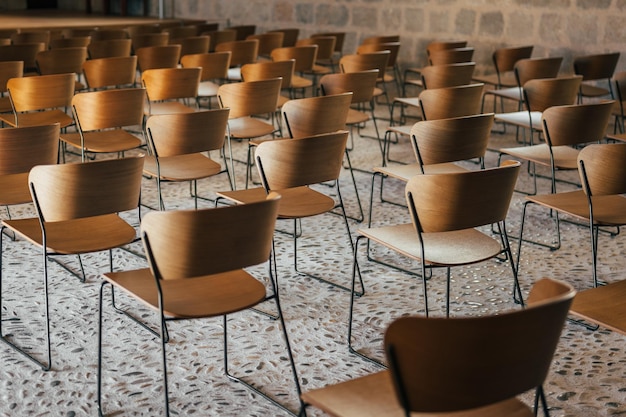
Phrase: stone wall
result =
(555, 27)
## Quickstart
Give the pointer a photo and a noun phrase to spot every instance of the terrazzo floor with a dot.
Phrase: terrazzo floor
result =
(588, 376)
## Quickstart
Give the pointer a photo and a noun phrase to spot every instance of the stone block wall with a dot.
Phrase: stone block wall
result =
(555, 27)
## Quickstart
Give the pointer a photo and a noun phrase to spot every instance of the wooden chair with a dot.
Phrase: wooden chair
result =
(109, 48)
(380, 39)
(78, 208)
(113, 72)
(198, 274)
(435, 364)
(143, 40)
(8, 70)
(152, 57)
(289, 167)
(181, 31)
(31, 36)
(24, 52)
(431, 49)
(243, 31)
(540, 94)
(219, 36)
(106, 34)
(102, 119)
(206, 27)
(603, 305)
(392, 71)
(73, 42)
(596, 69)
(245, 100)
(368, 61)
(180, 145)
(268, 42)
(170, 89)
(214, 72)
(21, 149)
(290, 35)
(565, 129)
(242, 52)
(323, 60)
(192, 44)
(40, 100)
(504, 60)
(62, 61)
(271, 69)
(305, 57)
(599, 204)
(446, 209)
(338, 53)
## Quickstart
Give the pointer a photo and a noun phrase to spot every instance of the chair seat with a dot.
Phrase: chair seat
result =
(300, 82)
(5, 105)
(234, 74)
(405, 172)
(373, 396)
(408, 101)
(14, 189)
(400, 129)
(89, 234)
(461, 247)
(521, 118)
(38, 118)
(294, 202)
(249, 127)
(167, 107)
(589, 90)
(564, 156)
(206, 296)
(114, 140)
(603, 305)
(506, 80)
(356, 117)
(607, 210)
(513, 93)
(182, 167)
(207, 89)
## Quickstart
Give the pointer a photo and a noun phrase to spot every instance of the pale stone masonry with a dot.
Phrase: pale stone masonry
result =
(555, 27)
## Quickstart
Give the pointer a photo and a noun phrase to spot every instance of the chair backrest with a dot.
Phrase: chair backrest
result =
(152, 57)
(193, 243)
(289, 163)
(542, 93)
(106, 109)
(41, 92)
(72, 42)
(316, 115)
(577, 123)
(534, 68)
(181, 31)
(596, 67)
(305, 56)
(268, 41)
(110, 72)
(361, 84)
(451, 140)
(451, 56)
(504, 59)
(448, 75)
(250, 97)
(454, 364)
(22, 148)
(392, 47)
(242, 51)
(171, 83)
(61, 60)
(29, 36)
(192, 44)
(602, 169)
(461, 200)
(243, 31)
(24, 52)
(186, 133)
(85, 189)
(219, 36)
(109, 34)
(381, 39)
(439, 45)
(366, 61)
(443, 103)
(143, 40)
(8, 70)
(269, 69)
(290, 36)
(325, 46)
(340, 38)
(206, 27)
(109, 48)
(214, 64)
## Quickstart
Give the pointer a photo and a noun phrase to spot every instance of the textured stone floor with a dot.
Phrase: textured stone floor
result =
(588, 376)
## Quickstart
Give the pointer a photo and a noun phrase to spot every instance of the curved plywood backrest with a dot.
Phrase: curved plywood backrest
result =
(315, 115)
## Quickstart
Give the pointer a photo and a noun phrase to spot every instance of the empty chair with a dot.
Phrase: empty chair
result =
(600, 202)
(603, 305)
(290, 35)
(325, 53)
(304, 57)
(109, 48)
(504, 60)
(102, 119)
(243, 31)
(192, 44)
(368, 61)
(596, 69)
(380, 39)
(181, 143)
(181, 31)
(8, 70)
(78, 207)
(340, 38)
(151, 57)
(62, 61)
(105, 34)
(113, 72)
(214, 72)
(23, 52)
(171, 90)
(431, 48)
(435, 364)
(30, 36)
(271, 69)
(72, 42)
(219, 36)
(193, 266)
(392, 72)
(242, 52)
(268, 42)
(143, 40)
(40, 100)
